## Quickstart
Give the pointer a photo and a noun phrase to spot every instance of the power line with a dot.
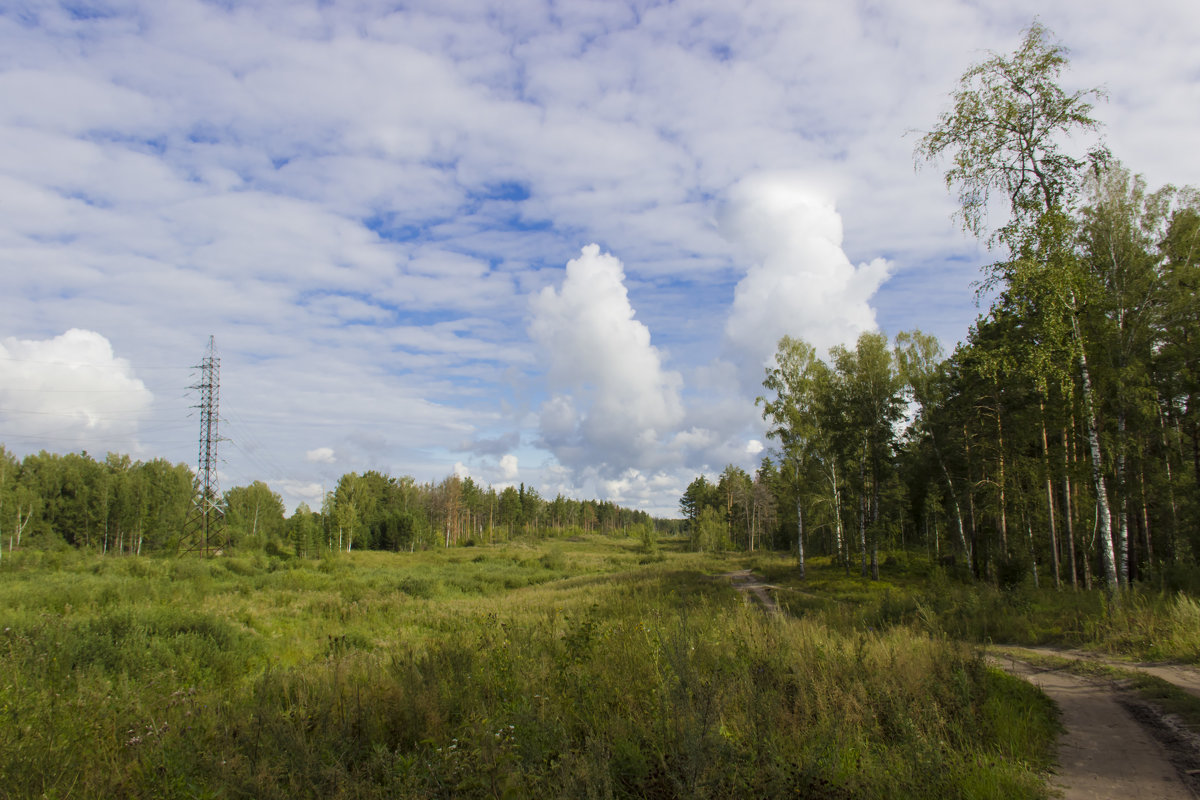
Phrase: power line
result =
(62, 363)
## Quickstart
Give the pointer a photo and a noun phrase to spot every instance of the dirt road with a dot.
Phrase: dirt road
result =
(1106, 752)
(753, 589)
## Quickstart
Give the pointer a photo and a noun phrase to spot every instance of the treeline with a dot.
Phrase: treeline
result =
(121, 506)
(1061, 440)
(380, 512)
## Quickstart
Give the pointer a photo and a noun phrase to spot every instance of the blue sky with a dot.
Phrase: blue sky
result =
(550, 243)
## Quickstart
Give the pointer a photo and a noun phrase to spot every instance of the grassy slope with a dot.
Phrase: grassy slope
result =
(568, 669)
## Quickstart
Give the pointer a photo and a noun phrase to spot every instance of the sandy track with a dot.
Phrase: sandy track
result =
(753, 589)
(1105, 752)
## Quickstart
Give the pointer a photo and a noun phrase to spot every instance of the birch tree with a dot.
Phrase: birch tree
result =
(1006, 134)
(794, 416)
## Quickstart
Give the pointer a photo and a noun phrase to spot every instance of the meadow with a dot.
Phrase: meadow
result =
(592, 667)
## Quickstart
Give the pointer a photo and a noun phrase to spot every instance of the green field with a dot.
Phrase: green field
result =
(596, 667)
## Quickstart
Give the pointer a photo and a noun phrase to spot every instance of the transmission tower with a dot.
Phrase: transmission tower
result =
(204, 530)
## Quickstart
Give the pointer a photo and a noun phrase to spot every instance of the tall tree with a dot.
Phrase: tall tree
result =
(919, 358)
(1005, 134)
(795, 416)
(254, 513)
(1119, 231)
(868, 392)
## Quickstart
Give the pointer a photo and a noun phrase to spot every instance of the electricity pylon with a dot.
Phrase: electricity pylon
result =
(204, 530)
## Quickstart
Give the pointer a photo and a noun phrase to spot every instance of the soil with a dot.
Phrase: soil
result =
(753, 589)
(1114, 745)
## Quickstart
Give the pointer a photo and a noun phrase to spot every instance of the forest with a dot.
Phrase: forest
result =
(1060, 442)
(118, 505)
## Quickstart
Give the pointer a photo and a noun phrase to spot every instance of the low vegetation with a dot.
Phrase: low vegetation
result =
(1155, 620)
(594, 667)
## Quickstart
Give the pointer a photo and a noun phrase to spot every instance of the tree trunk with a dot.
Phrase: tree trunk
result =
(874, 521)
(1145, 516)
(1049, 496)
(1107, 556)
(1172, 538)
(800, 536)
(954, 499)
(839, 534)
(1068, 512)
(862, 511)
(1002, 522)
(1122, 505)
(21, 524)
(974, 551)
(1032, 552)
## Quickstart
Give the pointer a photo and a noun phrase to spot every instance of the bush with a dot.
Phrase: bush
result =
(1012, 571)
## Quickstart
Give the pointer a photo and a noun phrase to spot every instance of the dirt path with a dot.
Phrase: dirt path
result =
(1106, 752)
(752, 586)
(1185, 677)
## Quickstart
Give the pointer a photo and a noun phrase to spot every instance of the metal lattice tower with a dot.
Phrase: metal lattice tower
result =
(204, 530)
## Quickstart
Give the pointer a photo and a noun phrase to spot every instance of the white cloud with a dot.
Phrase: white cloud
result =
(320, 455)
(508, 467)
(71, 390)
(754, 447)
(296, 492)
(356, 199)
(801, 282)
(613, 402)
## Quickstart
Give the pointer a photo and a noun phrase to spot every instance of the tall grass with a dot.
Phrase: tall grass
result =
(485, 672)
(1148, 621)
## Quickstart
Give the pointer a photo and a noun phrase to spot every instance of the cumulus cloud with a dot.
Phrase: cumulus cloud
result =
(508, 467)
(612, 401)
(801, 282)
(72, 390)
(321, 455)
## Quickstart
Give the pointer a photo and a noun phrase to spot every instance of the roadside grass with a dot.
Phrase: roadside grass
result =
(588, 667)
(1151, 622)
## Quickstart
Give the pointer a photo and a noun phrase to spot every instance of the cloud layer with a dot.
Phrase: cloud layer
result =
(359, 200)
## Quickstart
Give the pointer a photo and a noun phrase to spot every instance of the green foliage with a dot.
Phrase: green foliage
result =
(709, 533)
(1005, 132)
(120, 507)
(476, 674)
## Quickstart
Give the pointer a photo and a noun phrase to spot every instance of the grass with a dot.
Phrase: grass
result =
(1146, 622)
(576, 669)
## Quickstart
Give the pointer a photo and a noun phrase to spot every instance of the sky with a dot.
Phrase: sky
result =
(550, 243)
